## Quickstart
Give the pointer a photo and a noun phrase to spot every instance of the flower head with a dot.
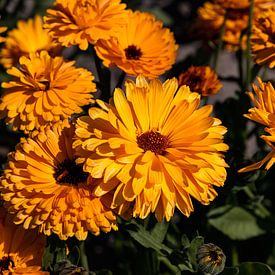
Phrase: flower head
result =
(142, 46)
(263, 38)
(21, 250)
(201, 79)
(45, 188)
(28, 37)
(211, 259)
(44, 90)
(238, 4)
(80, 22)
(153, 147)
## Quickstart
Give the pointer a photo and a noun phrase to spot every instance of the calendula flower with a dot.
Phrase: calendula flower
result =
(2, 29)
(159, 145)
(80, 22)
(211, 259)
(211, 17)
(264, 113)
(201, 79)
(239, 4)
(262, 39)
(21, 250)
(45, 188)
(28, 37)
(44, 90)
(142, 46)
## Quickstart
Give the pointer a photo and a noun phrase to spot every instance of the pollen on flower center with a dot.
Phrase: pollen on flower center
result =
(153, 141)
(5, 262)
(132, 52)
(68, 172)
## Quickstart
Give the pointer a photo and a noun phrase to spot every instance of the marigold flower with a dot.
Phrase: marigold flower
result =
(80, 22)
(28, 37)
(21, 250)
(238, 4)
(262, 39)
(142, 46)
(45, 188)
(49, 89)
(263, 113)
(159, 146)
(201, 79)
(2, 29)
(211, 259)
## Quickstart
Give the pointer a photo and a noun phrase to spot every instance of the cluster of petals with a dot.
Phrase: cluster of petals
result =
(2, 29)
(264, 113)
(238, 4)
(21, 250)
(80, 22)
(44, 187)
(262, 38)
(49, 89)
(28, 37)
(201, 79)
(154, 148)
(142, 46)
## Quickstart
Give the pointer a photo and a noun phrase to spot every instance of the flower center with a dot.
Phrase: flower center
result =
(69, 172)
(132, 52)
(153, 141)
(5, 262)
(44, 85)
(214, 256)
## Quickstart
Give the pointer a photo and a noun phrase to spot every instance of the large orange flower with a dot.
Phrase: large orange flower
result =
(28, 37)
(21, 250)
(45, 188)
(153, 147)
(44, 90)
(80, 22)
(262, 39)
(142, 46)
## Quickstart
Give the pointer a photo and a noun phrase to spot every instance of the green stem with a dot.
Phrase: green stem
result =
(234, 255)
(83, 257)
(220, 44)
(248, 45)
(167, 263)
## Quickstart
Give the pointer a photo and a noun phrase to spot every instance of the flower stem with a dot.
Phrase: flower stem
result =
(83, 257)
(248, 45)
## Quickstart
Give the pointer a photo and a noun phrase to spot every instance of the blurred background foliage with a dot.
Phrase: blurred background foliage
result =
(241, 219)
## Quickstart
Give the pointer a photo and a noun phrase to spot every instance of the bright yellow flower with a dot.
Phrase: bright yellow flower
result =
(28, 37)
(49, 89)
(264, 99)
(262, 39)
(143, 46)
(201, 79)
(44, 187)
(21, 250)
(80, 22)
(153, 147)
(2, 29)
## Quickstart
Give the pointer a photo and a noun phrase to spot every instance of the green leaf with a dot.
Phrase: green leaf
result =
(193, 249)
(254, 268)
(159, 231)
(237, 224)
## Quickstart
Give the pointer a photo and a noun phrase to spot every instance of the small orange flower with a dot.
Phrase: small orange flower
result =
(80, 22)
(28, 37)
(142, 46)
(21, 250)
(201, 79)
(49, 89)
(238, 4)
(45, 188)
(262, 39)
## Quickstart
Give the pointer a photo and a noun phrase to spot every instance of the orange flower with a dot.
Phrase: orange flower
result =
(142, 46)
(28, 37)
(44, 187)
(238, 4)
(79, 22)
(262, 39)
(21, 250)
(202, 80)
(2, 29)
(153, 147)
(49, 89)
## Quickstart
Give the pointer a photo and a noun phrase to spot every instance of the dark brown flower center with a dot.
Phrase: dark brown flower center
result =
(234, 14)
(153, 141)
(5, 262)
(68, 172)
(44, 85)
(214, 255)
(132, 52)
